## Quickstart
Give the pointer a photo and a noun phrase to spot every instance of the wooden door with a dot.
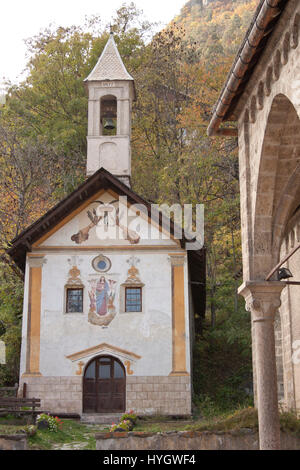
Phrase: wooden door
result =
(104, 386)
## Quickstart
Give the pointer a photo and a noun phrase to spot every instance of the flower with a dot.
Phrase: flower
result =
(54, 423)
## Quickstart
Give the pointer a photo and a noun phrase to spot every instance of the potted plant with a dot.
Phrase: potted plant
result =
(123, 426)
(130, 416)
(52, 423)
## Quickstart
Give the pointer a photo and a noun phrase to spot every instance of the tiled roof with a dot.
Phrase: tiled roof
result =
(110, 65)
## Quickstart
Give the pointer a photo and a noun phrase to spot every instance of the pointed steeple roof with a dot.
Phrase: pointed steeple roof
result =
(110, 65)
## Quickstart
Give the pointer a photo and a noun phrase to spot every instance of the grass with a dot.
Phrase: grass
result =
(146, 426)
(237, 420)
(244, 418)
(10, 429)
(75, 435)
(12, 419)
(10, 424)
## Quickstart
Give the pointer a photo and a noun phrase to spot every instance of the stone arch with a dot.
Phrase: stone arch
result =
(288, 199)
(278, 184)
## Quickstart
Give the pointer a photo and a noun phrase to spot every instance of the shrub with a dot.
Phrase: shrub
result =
(124, 425)
(290, 423)
(30, 430)
(130, 416)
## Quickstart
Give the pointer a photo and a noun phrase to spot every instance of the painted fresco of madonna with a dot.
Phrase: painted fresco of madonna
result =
(102, 293)
(102, 297)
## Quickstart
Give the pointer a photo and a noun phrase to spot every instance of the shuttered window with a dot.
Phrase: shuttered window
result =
(74, 300)
(133, 299)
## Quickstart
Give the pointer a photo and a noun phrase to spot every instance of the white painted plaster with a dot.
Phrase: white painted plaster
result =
(146, 334)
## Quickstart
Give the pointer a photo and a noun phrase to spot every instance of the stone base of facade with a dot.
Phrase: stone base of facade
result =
(145, 395)
(57, 394)
(159, 395)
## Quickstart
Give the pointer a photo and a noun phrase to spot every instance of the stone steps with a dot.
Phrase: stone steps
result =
(87, 418)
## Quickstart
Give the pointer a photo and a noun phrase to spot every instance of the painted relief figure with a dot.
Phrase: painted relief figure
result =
(83, 234)
(102, 297)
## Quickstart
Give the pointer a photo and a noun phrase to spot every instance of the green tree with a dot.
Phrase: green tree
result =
(11, 295)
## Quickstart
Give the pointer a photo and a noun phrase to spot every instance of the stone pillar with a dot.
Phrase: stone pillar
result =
(126, 128)
(90, 117)
(34, 316)
(97, 118)
(263, 300)
(119, 117)
(178, 317)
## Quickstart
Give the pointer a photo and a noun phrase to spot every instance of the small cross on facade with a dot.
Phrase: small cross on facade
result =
(133, 261)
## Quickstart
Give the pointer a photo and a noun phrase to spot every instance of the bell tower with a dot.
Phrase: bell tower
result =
(111, 92)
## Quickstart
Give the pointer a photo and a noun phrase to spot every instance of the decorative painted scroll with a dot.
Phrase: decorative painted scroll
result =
(80, 368)
(128, 369)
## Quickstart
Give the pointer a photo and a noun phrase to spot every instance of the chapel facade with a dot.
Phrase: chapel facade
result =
(108, 305)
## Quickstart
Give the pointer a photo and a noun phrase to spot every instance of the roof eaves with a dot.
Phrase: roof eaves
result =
(265, 13)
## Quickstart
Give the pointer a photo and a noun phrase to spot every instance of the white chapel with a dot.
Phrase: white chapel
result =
(108, 319)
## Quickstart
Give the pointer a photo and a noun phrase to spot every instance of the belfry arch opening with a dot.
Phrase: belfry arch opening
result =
(108, 115)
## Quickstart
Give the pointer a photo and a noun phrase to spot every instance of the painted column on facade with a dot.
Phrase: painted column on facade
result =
(178, 317)
(34, 316)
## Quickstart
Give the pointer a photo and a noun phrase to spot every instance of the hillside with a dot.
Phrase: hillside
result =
(217, 26)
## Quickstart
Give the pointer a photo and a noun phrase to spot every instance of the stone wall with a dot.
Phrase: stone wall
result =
(14, 442)
(146, 395)
(159, 395)
(244, 439)
(290, 318)
(57, 394)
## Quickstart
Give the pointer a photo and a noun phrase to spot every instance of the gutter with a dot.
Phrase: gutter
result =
(266, 12)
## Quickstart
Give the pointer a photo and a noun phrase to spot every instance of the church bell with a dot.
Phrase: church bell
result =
(109, 124)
